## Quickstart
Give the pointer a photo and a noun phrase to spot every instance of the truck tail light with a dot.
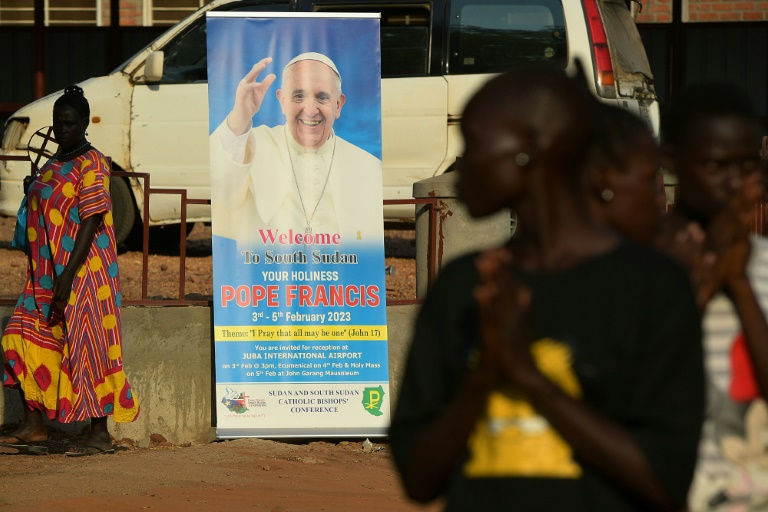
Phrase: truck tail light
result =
(606, 85)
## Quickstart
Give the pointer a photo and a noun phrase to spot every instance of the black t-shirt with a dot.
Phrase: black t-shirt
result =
(620, 331)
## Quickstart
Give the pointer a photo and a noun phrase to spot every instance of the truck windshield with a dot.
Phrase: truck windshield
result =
(405, 35)
(186, 57)
(488, 36)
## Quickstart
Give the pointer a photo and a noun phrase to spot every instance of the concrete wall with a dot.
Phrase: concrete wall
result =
(168, 353)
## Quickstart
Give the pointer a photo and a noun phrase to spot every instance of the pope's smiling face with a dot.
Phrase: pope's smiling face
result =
(311, 100)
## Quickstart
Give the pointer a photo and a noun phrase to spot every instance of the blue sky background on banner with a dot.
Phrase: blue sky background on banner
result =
(236, 44)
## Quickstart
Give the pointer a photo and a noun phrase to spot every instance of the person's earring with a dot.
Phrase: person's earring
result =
(522, 159)
(607, 195)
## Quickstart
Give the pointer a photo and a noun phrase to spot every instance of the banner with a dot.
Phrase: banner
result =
(297, 218)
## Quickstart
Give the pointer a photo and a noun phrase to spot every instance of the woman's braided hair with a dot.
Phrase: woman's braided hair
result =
(73, 97)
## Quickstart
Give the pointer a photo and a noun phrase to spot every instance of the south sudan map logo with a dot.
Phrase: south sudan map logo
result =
(235, 401)
(372, 400)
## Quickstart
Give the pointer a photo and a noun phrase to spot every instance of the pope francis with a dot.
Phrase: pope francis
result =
(299, 176)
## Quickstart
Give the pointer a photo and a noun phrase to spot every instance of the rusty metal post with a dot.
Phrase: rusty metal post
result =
(183, 247)
(431, 205)
(183, 227)
(39, 48)
(145, 242)
(446, 230)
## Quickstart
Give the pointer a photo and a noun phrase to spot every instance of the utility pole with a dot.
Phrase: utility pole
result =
(114, 54)
(677, 60)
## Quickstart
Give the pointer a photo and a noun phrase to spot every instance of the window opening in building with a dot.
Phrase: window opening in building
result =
(57, 12)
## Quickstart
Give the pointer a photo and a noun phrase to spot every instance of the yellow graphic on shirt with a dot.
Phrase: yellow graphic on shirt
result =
(512, 439)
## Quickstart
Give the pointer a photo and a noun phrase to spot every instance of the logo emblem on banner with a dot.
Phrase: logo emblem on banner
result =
(235, 401)
(372, 400)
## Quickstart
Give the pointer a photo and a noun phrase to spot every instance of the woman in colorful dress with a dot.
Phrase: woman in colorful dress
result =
(62, 345)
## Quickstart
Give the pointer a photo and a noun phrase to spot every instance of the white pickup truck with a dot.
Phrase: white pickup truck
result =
(151, 114)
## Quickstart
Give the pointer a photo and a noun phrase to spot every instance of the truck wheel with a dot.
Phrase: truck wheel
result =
(162, 239)
(167, 238)
(123, 209)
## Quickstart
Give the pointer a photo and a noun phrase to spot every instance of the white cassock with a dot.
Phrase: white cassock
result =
(263, 179)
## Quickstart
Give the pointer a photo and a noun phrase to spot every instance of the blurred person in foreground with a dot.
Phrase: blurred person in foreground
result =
(562, 371)
(62, 344)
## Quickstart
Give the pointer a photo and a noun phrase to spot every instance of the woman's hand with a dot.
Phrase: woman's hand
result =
(688, 246)
(28, 180)
(728, 234)
(62, 286)
(505, 322)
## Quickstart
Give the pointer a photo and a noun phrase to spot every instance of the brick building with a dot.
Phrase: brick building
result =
(694, 40)
(660, 11)
(133, 13)
(166, 12)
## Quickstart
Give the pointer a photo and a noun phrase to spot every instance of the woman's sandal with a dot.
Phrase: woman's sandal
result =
(87, 450)
(24, 446)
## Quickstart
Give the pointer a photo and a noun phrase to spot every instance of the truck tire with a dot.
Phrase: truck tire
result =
(162, 239)
(123, 209)
(166, 239)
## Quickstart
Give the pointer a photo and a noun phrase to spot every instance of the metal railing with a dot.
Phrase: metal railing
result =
(185, 201)
(432, 253)
(759, 224)
(147, 190)
(759, 217)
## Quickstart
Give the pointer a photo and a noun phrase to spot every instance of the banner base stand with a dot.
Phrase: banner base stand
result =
(237, 433)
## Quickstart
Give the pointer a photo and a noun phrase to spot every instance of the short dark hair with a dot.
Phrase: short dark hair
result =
(702, 100)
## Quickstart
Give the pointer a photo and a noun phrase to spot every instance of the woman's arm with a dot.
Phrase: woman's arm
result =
(62, 285)
(729, 234)
(754, 326)
(602, 443)
(440, 445)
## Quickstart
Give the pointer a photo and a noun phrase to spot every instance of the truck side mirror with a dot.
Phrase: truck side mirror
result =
(153, 66)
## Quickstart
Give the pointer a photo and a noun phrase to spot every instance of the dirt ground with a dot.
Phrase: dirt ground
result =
(244, 474)
(227, 476)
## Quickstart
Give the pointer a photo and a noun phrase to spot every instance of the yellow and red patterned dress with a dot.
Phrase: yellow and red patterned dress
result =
(67, 357)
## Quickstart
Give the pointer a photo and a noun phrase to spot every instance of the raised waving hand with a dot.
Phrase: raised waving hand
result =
(249, 97)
